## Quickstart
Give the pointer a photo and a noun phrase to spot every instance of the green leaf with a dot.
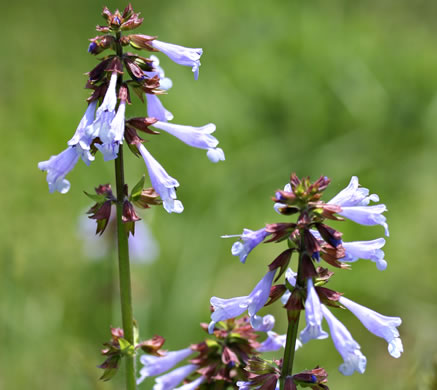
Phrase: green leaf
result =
(138, 188)
(96, 198)
(126, 348)
(108, 374)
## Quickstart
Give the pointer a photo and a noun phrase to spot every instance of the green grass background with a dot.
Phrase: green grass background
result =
(334, 88)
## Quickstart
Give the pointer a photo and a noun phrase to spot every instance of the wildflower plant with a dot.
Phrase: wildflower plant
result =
(105, 129)
(309, 240)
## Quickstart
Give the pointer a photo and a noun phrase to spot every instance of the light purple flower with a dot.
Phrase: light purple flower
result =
(249, 240)
(354, 201)
(274, 342)
(106, 112)
(354, 195)
(263, 324)
(290, 275)
(170, 380)
(82, 138)
(369, 250)
(57, 167)
(366, 215)
(242, 385)
(192, 385)
(313, 316)
(197, 137)
(163, 184)
(112, 139)
(348, 348)
(156, 110)
(181, 55)
(354, 250)
(225, 309)
(381, 326)
(278, 205)
(154, 365)
(249, 385)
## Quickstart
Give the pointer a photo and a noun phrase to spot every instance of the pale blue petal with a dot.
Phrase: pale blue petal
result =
(381, 326)
(347, 347)
(181, 55)
(313, 316)
(163, 184)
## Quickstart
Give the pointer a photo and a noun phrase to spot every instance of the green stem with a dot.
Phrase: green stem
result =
(124, 271)
(293, 325)
(123, 256)
(290, 346)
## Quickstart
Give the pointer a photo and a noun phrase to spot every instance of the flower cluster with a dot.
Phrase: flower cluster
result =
(312, 240)
(104, 127)
(221, 361)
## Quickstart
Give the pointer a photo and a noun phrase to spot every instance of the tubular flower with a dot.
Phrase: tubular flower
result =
(192, 385)
(313, 316)
(370, 250)
(197, 137)
(57, 168)
(273, 384)
(354, 201)
(277, 206)
(181, 55)
(106, 112)
(347, 347)
(263, 324)
(381, 326)
(155, 109)
(290, 275)
(354, 250)
(170, 380)
(154, 365)
(353, 195)
(163, 184)
(230, 308)
(249, 240)
(274, 342)
(82, 139)
(113, 136)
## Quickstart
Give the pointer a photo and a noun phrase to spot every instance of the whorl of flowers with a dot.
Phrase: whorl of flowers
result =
(105, 126)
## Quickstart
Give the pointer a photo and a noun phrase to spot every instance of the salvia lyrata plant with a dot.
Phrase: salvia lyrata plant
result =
(230, 355)
(234, 359)
(105, 128)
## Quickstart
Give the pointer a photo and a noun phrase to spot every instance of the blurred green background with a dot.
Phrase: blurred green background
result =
(334, 88)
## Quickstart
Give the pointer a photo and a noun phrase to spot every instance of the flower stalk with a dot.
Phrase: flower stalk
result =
(123, 260)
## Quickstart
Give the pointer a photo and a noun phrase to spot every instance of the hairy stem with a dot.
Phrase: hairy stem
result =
(123, 259)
